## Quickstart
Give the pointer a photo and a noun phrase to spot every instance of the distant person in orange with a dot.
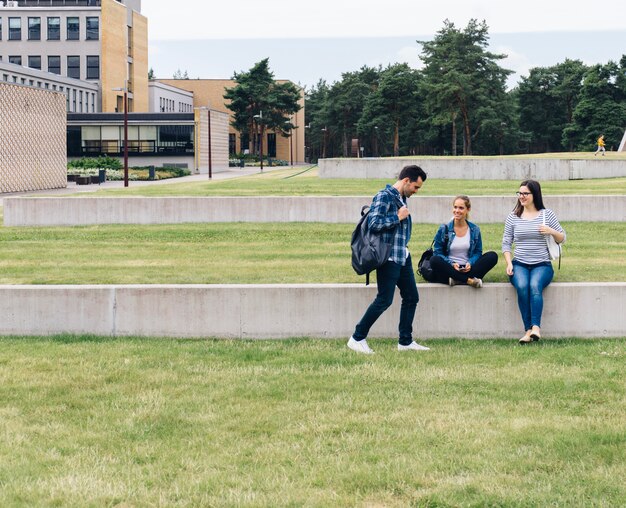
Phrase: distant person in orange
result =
(600, 146)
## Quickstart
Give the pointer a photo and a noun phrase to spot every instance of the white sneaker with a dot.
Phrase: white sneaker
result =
(413, 346)
(360, 346)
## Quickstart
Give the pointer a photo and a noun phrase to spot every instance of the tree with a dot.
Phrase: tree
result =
(601, 108)
(316, 119)
(463, 81)
(547, 99)
(258, 103)
(151, 73)
(180, 75)
(392, 105)
(346, 100)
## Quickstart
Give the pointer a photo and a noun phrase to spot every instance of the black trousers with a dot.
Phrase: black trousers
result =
(444, 270)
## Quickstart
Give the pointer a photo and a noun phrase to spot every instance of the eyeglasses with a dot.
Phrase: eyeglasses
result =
(525, 194)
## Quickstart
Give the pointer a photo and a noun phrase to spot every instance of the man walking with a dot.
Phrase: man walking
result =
(390, 216)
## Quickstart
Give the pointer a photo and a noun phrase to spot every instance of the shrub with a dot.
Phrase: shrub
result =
(104, 162)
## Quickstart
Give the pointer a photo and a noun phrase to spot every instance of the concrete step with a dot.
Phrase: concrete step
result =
(589, 310)
(60, 211)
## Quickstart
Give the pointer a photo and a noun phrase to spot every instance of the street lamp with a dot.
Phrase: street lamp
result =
(375, 140)
(290, 141)
(260, 117)
(324, 130)
(125, 90)
(208, 110)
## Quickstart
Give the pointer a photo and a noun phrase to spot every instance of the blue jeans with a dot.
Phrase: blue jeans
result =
(388, 277)
(529, 281)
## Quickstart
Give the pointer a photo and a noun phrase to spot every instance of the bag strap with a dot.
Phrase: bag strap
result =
(543, 219)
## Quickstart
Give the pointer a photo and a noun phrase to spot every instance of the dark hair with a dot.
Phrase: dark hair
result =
(535, 189)
(412, 173)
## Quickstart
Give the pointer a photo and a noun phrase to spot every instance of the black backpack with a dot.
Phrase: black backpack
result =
(423, 266)
(369, 251)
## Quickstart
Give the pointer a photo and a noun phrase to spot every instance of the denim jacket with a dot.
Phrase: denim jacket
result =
(476, 242)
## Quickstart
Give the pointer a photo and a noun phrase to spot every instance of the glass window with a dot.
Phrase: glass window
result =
(54, 64)
(93, 28)
(73, 29)
(54, 29)
(0, 29)
(15, 29)
(34, 29)
(15, 59)
(93, 67)
(73, 68)
(34, 62)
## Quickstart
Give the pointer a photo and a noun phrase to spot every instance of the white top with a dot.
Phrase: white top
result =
(459, 249)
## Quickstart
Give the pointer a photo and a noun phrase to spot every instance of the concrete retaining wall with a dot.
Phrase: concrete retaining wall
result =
(310, 310)
(60, 211)
(467, 168)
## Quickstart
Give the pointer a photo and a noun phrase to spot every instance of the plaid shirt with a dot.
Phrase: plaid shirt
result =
(383, 217)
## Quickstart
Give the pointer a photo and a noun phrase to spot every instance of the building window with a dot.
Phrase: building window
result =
(73, 68)
(34, 62)
(93, 28)
(15, 59)
(54, 29)
(232, 144)
(74, 100)
(15, 29)
(73, 29)
(93, 67)
(34, 29)
(54, 64)
(80, 101)
(0, 29)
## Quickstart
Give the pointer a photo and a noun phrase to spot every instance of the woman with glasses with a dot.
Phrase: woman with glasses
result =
(458, 250)
(530, 271)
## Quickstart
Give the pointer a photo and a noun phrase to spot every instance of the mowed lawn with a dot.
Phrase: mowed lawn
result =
(90, 421)
(306, 182)
(247, 253)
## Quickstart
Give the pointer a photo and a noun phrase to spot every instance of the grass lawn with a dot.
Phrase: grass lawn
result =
(90, 421)
(302, 182)
(254, 253)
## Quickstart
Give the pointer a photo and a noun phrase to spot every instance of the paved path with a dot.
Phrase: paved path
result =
(72, 188)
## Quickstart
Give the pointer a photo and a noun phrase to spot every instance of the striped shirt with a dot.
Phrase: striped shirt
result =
(531, 247)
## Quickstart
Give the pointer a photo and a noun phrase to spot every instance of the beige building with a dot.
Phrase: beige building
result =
(210, 92)
(32, 138)
(100, 41)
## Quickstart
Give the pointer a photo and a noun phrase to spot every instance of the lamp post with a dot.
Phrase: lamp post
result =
(307, 157)
(260, 117)
(375, 140)
(324, 130)
(290, 142)
(125, 90)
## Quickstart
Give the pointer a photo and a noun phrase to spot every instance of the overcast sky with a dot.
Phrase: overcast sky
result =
(308, 41)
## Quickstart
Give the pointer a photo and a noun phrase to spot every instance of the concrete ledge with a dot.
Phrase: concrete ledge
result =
(588, 310)
(80, 211)
(467, 168)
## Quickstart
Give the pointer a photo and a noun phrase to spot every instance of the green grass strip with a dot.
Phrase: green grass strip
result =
(250, 253)
(295, 182)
